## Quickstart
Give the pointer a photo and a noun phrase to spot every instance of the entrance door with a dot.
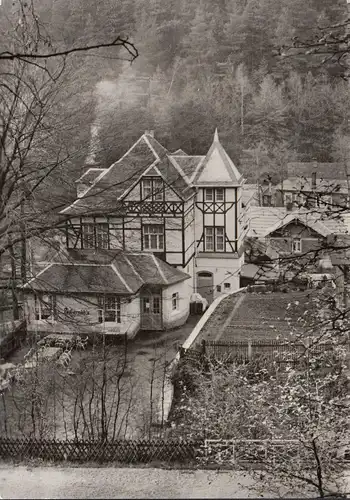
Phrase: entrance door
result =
(151, 310)
(205, 285)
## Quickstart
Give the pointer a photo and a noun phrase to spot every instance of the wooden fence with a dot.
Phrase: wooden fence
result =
(125, 451)
(274, 350)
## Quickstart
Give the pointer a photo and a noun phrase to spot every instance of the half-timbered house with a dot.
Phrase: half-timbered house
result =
(182, 210)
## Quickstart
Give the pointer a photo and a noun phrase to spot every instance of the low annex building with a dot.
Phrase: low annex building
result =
(112, 292)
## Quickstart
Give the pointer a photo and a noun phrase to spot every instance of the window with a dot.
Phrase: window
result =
(296, 245)
(146, 188)
(214, 239)
(209, 239)
(153, 237)
(45, 307)
(218, 288)
(109, 309)
(288, 198)
(209, 194)
(267, 199)
(95, 235)
(88, 236)
(158, 189)
(175, 301)
(102, 236)
(227, 286)
(152, 189)
(156, 305)
(219, 194)
(219, 239)
(145, 305)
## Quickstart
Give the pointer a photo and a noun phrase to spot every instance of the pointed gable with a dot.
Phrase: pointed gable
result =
(115, 180)
(217, 168)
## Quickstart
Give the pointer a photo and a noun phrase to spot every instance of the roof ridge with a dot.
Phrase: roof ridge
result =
(159, 269)
(179, 169)
(150, 146)
(133, 267)
(39, 273)
(121, 277)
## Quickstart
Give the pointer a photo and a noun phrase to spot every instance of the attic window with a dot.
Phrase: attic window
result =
(296, 245)
(152, 189)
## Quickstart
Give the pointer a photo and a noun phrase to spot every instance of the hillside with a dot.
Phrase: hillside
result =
(202, 65)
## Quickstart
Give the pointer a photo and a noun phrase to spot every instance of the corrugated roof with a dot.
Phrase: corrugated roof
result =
(117, 272)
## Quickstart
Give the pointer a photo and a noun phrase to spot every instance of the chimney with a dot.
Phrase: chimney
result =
(150, 132)
(313, 181)
(90, 160)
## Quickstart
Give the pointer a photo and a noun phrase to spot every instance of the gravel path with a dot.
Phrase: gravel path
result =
(59, 482)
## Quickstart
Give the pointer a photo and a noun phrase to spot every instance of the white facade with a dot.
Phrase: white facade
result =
(185, 209)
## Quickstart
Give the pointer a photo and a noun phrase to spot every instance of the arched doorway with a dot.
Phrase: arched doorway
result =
(205, 285)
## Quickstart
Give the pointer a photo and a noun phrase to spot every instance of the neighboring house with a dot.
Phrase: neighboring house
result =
(311, 192)
(288, 233)
(110, 292)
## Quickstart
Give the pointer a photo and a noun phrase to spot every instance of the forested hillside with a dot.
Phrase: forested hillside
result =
(204, 64)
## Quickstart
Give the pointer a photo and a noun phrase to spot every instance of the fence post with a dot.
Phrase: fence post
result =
(203, 348)
(249, 350)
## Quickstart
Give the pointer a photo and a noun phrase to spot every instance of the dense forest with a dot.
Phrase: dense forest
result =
(202, 65)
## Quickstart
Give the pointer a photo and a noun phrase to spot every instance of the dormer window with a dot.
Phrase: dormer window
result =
(152, 189)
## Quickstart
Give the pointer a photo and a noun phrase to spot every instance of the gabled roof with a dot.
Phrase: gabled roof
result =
(117, 272)
(217, 168)
(188, 165)
(308, 220)
(179, 152)
(263, 221)
(90, 175)
(115, 181)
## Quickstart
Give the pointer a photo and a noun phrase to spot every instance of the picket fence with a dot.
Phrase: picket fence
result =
(275, 350)
(122, 451)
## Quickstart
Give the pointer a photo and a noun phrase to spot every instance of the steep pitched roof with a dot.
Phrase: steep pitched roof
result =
(113, 183)
(217, 168)
(90, 175)
(187, 164)
(179, 152)
(121, 273)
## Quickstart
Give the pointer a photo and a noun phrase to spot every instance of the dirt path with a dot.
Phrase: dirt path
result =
(60, 482)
